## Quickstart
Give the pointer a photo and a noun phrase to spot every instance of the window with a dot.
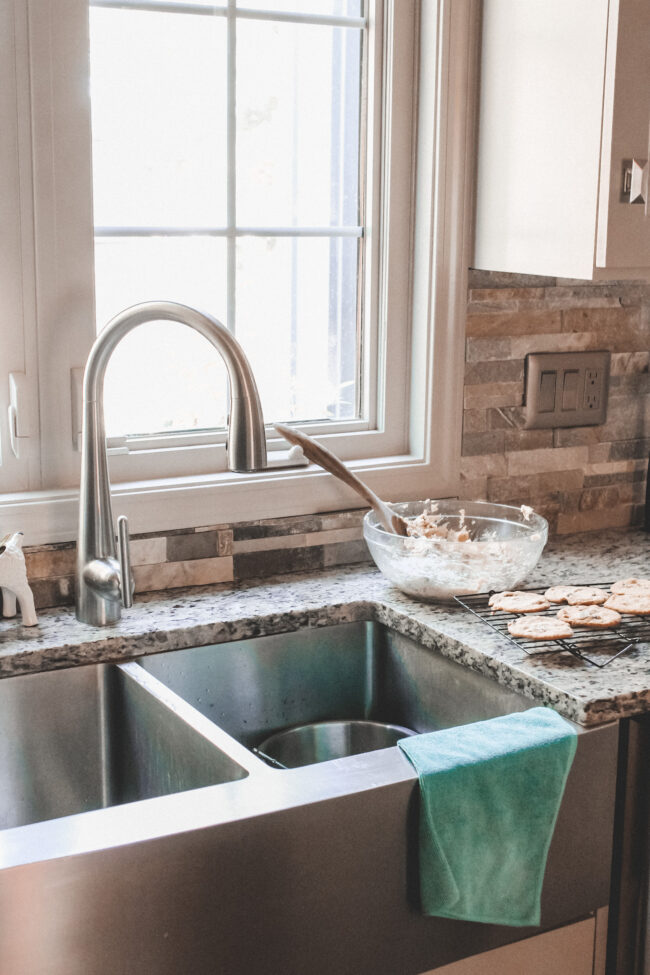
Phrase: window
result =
(227, 174)
(294, 167)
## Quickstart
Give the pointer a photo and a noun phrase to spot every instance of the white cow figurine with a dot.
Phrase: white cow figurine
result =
(13, 580)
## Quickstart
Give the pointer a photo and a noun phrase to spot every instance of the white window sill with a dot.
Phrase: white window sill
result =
(47, 517)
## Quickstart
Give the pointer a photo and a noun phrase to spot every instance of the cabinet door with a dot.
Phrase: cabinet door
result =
(565, 950)
(564, 99)
(540, 118)
(624, 228)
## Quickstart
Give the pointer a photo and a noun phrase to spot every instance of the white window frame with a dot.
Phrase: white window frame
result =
(421, 458)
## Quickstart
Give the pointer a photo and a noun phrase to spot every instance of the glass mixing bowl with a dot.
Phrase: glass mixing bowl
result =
(505, 545)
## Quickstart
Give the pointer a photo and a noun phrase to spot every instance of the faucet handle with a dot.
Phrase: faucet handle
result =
(126, 582)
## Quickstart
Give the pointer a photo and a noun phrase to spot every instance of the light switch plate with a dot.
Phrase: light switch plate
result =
(566, 389)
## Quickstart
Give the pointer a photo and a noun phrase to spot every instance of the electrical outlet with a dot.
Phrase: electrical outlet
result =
(566, 389)
(593, 388)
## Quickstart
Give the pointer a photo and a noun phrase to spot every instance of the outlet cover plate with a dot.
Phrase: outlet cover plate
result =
(566, 389)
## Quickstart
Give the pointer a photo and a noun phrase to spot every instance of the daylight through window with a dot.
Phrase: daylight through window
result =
(228, 174)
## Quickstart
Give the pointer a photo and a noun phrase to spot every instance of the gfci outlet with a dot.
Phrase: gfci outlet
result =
(593, 388)
(566, 389)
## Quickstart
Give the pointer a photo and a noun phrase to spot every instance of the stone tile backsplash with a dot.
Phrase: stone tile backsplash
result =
(220, 553)
(581, 479)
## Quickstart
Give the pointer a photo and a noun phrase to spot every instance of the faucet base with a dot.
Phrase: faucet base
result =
(95, 610)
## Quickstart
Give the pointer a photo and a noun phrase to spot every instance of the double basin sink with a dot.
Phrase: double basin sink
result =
(97, 736)
(140, 832)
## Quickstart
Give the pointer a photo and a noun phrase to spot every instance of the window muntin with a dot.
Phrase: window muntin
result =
(279, 165)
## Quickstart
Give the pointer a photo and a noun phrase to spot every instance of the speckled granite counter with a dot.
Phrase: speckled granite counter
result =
(171, 620)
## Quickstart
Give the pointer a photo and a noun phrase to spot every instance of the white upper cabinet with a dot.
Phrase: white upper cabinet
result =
(565, 103)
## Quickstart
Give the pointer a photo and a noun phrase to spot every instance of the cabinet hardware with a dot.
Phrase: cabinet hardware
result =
(635, 181)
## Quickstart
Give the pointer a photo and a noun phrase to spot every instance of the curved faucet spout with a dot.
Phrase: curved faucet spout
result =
(101, 586)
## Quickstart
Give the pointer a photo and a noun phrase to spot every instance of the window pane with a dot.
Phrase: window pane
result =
(339, 8)
(297, 124)
(160, 98)
(163, 376)
(158, 85)
(191, 270)
(296, 318)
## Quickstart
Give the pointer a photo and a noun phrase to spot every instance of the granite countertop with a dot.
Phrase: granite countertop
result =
(216, 614)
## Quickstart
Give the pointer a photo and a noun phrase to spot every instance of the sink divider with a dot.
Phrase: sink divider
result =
(192, 718)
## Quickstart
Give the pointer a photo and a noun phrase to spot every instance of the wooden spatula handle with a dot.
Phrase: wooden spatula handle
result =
(325, 459)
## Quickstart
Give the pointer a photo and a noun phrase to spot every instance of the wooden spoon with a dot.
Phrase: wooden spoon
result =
(320, 455)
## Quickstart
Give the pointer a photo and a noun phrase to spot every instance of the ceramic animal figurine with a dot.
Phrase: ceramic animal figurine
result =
(13, 580)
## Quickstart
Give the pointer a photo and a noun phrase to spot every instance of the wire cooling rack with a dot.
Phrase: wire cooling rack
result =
(592, 646)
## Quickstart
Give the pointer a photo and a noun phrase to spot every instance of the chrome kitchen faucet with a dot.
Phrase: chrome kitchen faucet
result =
(104, 582)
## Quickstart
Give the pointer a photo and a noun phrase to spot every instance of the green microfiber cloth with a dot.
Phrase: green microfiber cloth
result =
(490, 793)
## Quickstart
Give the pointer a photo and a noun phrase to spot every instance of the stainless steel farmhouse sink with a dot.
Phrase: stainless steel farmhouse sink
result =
(140, 833)
(91, 737)
(350, 672)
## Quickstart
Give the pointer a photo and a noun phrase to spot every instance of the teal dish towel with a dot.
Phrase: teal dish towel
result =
(490, 793)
